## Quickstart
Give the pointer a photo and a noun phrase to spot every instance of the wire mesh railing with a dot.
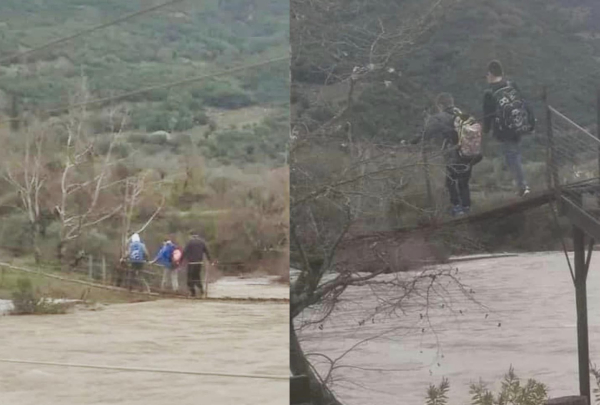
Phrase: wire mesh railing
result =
(572, 166)
(574, 161)
(574, 151)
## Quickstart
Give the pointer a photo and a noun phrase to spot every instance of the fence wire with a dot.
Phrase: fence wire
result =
(574, 160)
(572, 164)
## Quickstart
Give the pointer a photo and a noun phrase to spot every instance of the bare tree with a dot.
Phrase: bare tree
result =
(136, 190)
(83, 201)
(26, 172)
(341, 181)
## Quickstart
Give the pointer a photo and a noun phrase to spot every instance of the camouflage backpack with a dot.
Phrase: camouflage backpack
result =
(469, 137)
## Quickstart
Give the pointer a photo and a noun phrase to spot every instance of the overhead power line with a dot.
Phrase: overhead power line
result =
(157, 87)
(148, 370)
(12, 57)
(168, 85)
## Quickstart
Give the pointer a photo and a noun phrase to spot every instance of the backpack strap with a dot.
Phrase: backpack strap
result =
(509, 85)
(502, 88)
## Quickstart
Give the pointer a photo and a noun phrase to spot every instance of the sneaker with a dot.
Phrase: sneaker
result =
(466, 210)
(524, 191)
(457, 210)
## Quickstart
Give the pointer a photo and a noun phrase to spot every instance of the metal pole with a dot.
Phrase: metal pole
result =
(552, 167)
(582, 321)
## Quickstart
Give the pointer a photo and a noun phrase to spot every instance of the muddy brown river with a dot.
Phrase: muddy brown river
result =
(184, 335)
(525, 317)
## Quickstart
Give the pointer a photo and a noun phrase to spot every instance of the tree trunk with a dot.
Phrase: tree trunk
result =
(299, 365)
(35, 236)
(59, 251)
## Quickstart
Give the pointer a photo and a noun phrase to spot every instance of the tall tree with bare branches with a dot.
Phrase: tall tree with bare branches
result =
(338, 178)
(82, 201)
(26, 172)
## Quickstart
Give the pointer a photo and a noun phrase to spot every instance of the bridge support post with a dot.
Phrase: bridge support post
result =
(581, 270)
(582, 321)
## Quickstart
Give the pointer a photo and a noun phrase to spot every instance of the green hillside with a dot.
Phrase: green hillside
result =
(177, 42)
(541, 43)
(405, 54)
(209, 156)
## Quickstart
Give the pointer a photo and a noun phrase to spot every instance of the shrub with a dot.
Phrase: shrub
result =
(24, 299)
(225, 95)
(15, 233)
(120, 149)
(26, 302)
(512, 392)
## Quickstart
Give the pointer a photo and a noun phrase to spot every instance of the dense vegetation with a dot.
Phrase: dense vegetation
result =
(534, 40)
(513, 391)
(175, 43)
(364, 77)
(449, 52)
(209, 155)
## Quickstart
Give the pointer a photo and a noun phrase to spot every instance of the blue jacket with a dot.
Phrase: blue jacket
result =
(137, 252)
(164, 255)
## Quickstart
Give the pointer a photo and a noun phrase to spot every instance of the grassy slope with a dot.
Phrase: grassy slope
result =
(190, 39)
(171, 44)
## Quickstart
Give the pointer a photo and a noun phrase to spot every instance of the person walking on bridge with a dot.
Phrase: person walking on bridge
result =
(193, 255)
(138, 255)
(441, 131)
(169, 256)
(509, 117)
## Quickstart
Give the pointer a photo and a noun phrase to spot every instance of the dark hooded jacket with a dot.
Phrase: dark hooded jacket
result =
(440, 133)
(490, 108)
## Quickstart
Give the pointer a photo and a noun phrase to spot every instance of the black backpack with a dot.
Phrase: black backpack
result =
(512, 114)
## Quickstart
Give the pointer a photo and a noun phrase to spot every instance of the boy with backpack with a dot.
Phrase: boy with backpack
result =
(510, 117)
(169, 256)
(138, 255)
(459, 136)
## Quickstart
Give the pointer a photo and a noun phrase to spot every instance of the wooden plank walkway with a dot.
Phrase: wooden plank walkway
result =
(508, 208)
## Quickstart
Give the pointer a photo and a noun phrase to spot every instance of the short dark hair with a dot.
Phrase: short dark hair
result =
(444, 101)
(495, 68)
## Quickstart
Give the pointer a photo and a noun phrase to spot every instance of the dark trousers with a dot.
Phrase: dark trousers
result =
(133, 274)
(458, 176)
(193, 278)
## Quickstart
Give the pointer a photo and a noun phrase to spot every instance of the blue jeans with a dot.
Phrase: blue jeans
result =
(512, 155)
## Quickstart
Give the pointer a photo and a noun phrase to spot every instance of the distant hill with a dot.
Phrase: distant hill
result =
(554, 43)
(181, 41)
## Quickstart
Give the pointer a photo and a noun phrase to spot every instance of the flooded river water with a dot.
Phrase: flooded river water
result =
(525, 317)
(185, 335)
